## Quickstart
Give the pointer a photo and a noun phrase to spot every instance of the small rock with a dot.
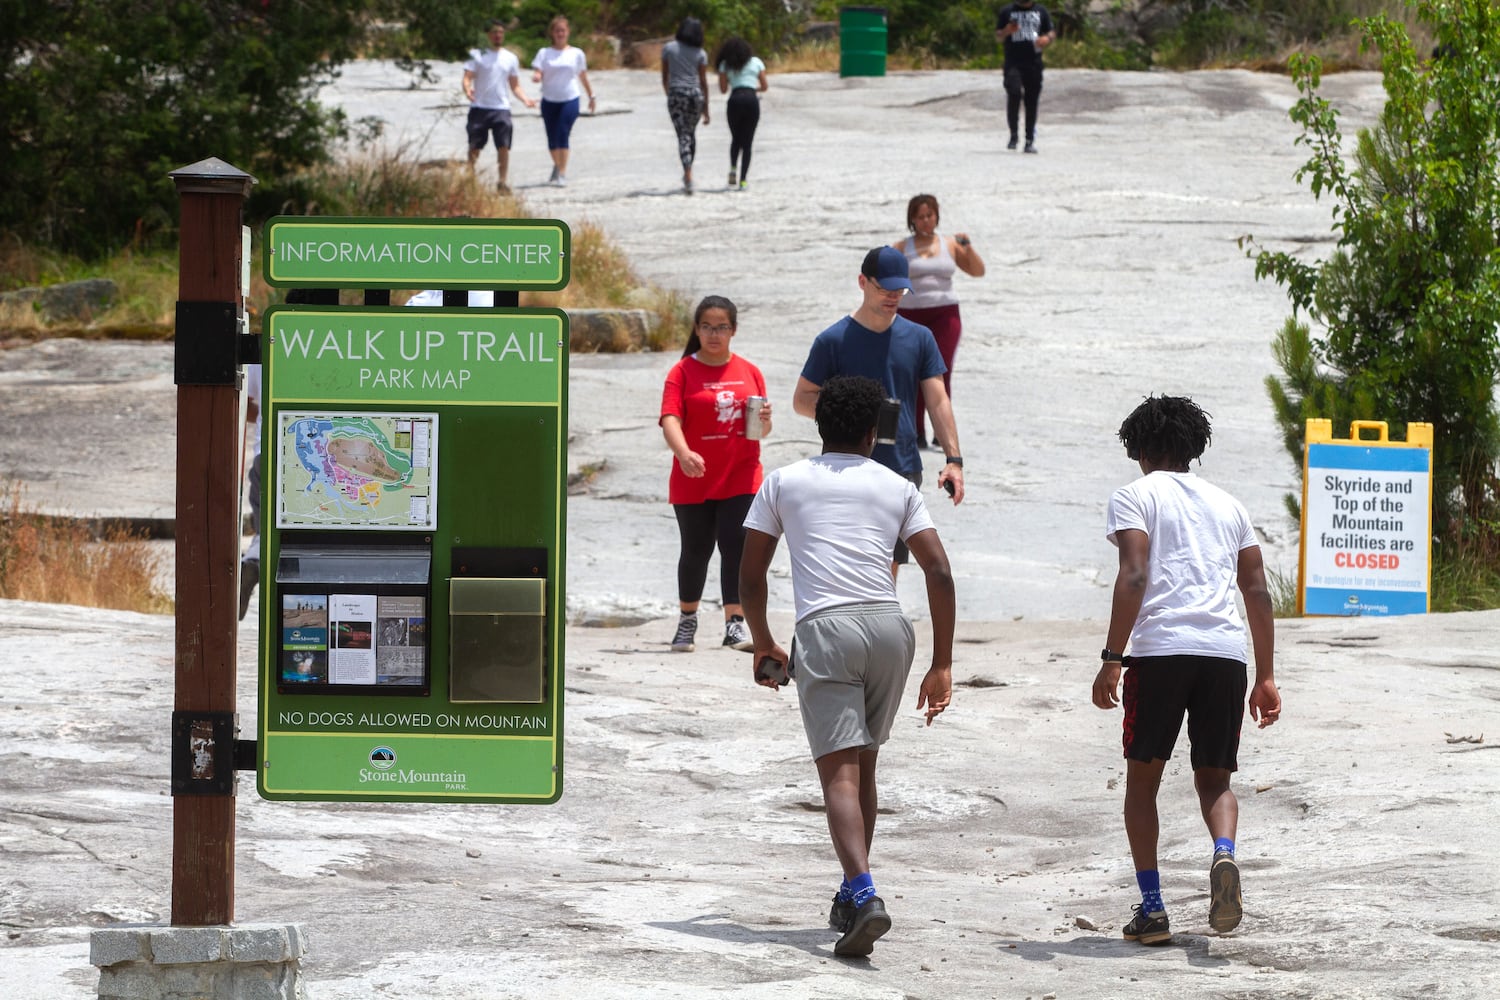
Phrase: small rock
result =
(609, 330)
(925, 967)
(1049, 996)
(472, 852)
(1084, 923)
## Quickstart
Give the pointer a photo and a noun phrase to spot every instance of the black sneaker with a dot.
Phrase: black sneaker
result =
(687, 628)
(1148, 928)
(1030, 147)
(868, 925)
(1013, 143)
(840, 913)
(737, 634)
(1225, 907)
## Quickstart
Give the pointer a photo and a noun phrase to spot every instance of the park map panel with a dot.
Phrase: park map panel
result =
(357, 471)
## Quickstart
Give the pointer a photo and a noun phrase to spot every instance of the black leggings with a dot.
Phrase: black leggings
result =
(1023, 83)
(744, 115)
(700, 525)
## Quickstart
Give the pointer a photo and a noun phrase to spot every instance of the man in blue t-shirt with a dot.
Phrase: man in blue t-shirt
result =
(899, 354)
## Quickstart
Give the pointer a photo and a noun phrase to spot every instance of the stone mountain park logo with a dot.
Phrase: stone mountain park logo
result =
(383, 758)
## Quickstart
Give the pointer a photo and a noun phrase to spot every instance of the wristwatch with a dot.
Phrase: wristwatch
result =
(1110, 656)
(954, 460)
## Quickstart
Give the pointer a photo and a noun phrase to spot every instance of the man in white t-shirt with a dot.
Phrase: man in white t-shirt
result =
(487, 75)
(1184, 546)
(852, 646)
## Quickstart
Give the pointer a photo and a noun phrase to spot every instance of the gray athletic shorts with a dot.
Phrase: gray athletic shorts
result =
(852, 662)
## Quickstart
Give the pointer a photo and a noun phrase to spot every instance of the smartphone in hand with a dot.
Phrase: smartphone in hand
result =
(770, 668)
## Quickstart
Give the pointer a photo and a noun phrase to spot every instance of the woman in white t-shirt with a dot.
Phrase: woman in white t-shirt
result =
(560, 68)
(742, 76)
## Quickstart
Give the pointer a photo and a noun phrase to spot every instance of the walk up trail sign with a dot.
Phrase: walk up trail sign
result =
(413, 515)
(1366, 521)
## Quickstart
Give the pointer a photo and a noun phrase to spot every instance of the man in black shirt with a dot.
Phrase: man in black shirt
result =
(1025, 29)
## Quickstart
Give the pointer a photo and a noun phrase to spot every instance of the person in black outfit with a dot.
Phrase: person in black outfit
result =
(1025, 29)
(742, 75)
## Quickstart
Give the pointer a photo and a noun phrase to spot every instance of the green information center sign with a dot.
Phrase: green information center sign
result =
(414, 517)
(318, 252)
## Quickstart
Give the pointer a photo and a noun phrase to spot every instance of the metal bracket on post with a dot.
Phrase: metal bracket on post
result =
(203, 752)
(207, 345)
(245, 755)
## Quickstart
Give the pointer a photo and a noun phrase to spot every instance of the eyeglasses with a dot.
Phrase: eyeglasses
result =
(720, 328)
(888, 292)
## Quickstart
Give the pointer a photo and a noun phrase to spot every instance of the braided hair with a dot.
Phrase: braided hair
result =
(1172, 430)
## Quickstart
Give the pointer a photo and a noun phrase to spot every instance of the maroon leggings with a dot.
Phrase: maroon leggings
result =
(944, 323)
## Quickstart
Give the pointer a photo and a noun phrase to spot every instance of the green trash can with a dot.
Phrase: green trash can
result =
(862, 41)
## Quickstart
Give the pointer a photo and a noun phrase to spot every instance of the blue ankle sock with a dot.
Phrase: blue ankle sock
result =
(1150, 883)
(1222, 844)
(861, 888)
(845, 893)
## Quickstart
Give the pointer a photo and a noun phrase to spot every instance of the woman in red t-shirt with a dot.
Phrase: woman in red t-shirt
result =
(717, 468)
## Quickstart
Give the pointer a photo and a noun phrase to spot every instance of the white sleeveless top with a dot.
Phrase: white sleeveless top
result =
(931, 277)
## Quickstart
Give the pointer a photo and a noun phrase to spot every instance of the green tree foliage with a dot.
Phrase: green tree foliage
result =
(1407, 305)
(99, 100)
(445, 29)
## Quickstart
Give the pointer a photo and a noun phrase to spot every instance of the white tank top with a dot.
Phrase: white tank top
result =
(931, 277)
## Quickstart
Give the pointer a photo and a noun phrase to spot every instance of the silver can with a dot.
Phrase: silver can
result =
(753, 406)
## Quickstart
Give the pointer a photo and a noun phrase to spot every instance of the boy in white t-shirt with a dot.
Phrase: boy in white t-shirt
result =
(841, 514)
(1184, 545)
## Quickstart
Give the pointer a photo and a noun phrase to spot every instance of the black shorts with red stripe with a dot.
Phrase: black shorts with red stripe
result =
(1208, 690)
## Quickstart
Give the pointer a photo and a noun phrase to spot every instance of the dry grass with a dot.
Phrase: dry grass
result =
(602, 277)
(143, 307)
(808, 57)
(600, 50)
(59, 561)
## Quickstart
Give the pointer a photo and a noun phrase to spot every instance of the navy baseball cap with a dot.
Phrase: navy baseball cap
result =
(887, 266)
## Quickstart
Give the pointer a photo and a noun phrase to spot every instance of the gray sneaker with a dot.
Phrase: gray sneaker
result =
(737, 635)
(687, 629)
(1225, 907)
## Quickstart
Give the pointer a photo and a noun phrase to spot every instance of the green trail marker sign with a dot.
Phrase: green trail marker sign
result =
(515, 254)
(412, 590)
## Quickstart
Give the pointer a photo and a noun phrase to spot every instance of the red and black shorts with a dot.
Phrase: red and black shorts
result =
(1160, 690)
